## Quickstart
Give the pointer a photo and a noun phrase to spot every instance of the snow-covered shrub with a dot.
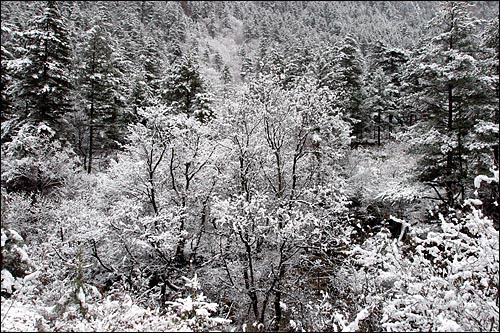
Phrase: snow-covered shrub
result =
(326, 315)
(384, 174)
(35, 161)
(30, 215)
(194, 311)
(15, 261)
(440, 279)
(486, 191)
(118, 311)
(380, 185)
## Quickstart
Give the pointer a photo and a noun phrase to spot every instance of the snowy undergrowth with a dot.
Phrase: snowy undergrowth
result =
(115, 312)
(437, 280)
(384, 175)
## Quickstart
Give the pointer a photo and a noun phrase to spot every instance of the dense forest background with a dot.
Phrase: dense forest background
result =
(249, 165)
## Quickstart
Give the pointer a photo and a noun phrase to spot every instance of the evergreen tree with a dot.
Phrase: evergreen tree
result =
(345, 76)
(147, 76)
(185, 92)
(226, 76)
(485, 138)
(218, 62)
(44, 70)
(448, 95)
(6, 77)
(379, 103)
(100, 83)
(246, 67)
(383, 88)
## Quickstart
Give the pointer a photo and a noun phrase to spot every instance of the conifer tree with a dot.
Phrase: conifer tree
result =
(483, 142)
(448, 96)
(218, 62)
(6, 76)
(344, 74)
(485, 138)
(383, 89)
(246, 67)
(185, 92)
(44, 70)
(147, 77)
(378, 102)
(100, 83)
(226, 76)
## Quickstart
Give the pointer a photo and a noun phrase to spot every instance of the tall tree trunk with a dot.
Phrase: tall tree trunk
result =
(449, 156)
(378, 127)
(92, 113)
(91, 134)
(143, 5)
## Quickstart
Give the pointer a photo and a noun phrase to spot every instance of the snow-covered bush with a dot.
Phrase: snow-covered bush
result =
(194, 311)
(16, 263)
(35, 161)
(443, 278)
(384, 175)
(118, 311)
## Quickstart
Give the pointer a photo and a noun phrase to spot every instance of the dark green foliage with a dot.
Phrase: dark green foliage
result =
(346, 78)
(218, 62)
(44, 71)
(6, 75)
(100, 84)
(226, 75)
(184, 90)
(449, 94)
(146, 80)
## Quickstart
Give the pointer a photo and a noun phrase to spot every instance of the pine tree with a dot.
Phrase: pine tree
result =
(448, 96)
(484, 139)
(185, 92)
(345, 77)
(246, 67)
(100, 83)
(6, 76)
(147, 76)
(485, 134)
(226, 76)
(383, 87)
(44, 70)
(218, 62)
(378, 102)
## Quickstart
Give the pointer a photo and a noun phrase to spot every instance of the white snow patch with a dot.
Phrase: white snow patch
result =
(473, 202)
(448, 325)
(31, 276)
(481, 178)
(354, 326)
(15, 236)
(4, 238)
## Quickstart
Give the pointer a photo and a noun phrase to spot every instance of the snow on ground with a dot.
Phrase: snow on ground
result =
(17, 317)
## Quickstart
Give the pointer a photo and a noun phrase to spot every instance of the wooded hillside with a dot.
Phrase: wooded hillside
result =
(249, 166)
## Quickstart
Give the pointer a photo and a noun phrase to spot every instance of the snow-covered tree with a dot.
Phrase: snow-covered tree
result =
(184, 90)
(284, 144)
(45, 70)
(442, 277)
(379, 103)
(35, 161)
(146, 81)
(347, 79)
(448, 96)
(100, 85)
(6, 75)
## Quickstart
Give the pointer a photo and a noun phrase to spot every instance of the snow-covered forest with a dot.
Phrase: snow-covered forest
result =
(250, 166)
